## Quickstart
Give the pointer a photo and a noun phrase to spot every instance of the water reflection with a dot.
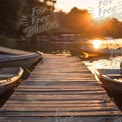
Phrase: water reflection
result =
(46, 47)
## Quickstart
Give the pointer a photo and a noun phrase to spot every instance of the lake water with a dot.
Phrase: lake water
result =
(43, 46)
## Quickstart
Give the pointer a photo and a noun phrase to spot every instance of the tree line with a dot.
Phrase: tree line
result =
(78, 20)
(82, 22)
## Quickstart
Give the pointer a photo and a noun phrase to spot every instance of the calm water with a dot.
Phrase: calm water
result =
(46, 47)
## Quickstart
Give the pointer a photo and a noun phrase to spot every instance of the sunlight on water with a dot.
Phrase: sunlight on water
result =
(110, 43)
(111, 63)
(96, 43)
(106, 63)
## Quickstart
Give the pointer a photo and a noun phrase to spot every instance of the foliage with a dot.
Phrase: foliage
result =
(82, 22)
(11, 12)
(77, 20)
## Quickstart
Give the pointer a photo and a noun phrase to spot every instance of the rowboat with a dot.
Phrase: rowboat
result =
(121, 65)
(25, 61)
(91, 50)
(9, 78)
(101, 51)
(111, 81)
(102, 47)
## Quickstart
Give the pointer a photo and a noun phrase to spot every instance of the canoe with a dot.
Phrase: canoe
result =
(9, 78)
(25, 61)
(110, 81)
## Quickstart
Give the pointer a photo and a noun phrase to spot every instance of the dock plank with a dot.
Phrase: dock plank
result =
(59, 113)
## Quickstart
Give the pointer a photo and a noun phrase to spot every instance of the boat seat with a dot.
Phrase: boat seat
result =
(6, 75)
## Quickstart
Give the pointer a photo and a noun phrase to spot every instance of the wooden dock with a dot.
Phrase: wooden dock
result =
(60, 89)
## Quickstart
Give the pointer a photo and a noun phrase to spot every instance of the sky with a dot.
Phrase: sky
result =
(66, 5)
(98, 8)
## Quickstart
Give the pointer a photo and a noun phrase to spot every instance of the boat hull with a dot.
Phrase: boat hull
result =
(105, 51)
(5, 88)
(24, 61)
(9, 82)
(110, 84)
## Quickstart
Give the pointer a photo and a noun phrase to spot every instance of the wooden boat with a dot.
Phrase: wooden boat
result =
(110, 81)
(9, 78)
(103, 51)
(121, 65)
(25, 61)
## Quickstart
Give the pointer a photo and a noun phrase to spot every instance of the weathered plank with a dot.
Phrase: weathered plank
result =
(57, 105)
(64, 102)
(59, 113)
(60, 93)
(69, 109)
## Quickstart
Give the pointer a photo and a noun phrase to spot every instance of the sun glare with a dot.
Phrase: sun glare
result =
(96, 43)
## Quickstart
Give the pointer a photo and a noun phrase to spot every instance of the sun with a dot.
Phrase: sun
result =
(96, 44)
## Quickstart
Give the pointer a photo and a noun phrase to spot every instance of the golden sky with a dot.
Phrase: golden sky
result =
(66, 5)
(98, 8)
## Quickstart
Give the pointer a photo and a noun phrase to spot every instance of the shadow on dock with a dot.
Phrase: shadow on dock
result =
(116, 98)
(5, 97)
